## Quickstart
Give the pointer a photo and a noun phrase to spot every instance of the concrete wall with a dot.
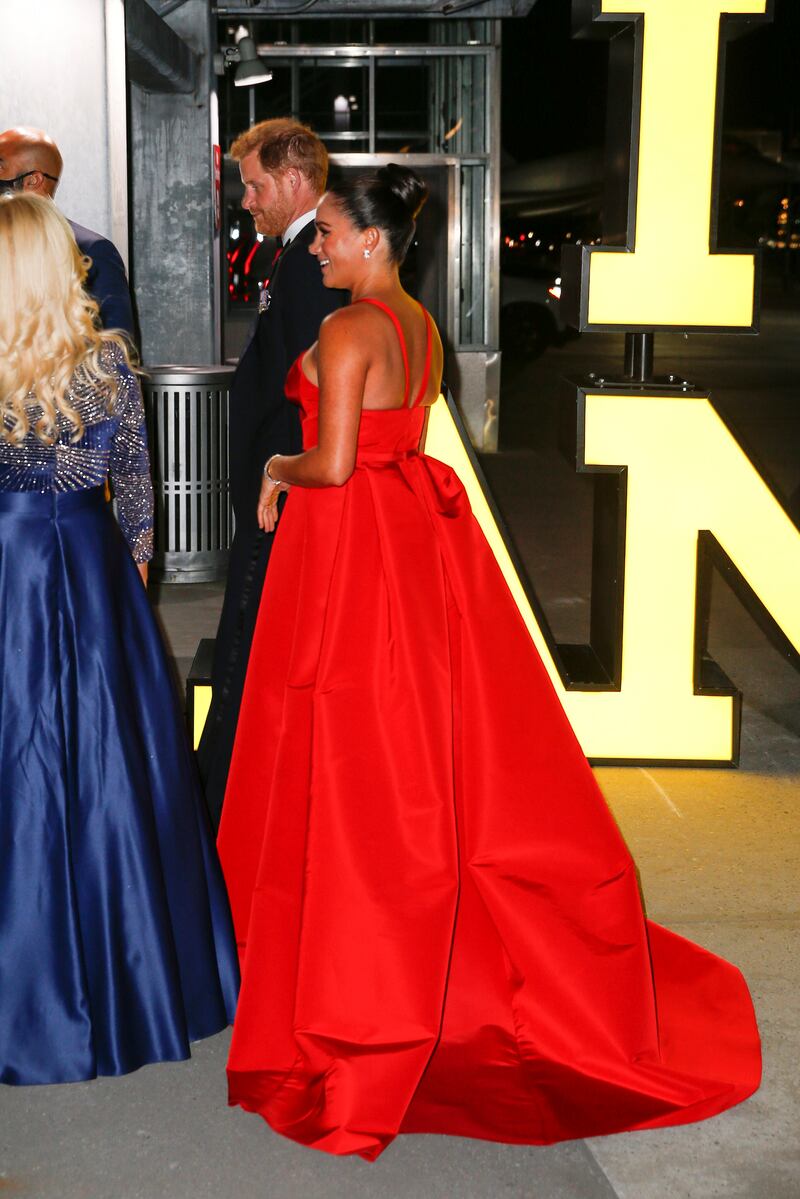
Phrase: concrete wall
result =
(63, 70)
(174, 244)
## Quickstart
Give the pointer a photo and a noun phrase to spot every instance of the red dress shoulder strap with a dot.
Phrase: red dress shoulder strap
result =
(385, 308)
(426, 374)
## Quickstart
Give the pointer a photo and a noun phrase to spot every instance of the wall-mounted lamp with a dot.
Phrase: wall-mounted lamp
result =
(251, 69)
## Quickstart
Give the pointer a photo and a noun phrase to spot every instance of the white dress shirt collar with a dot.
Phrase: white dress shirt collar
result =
(298, 224)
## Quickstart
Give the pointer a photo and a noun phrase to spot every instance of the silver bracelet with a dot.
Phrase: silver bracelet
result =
(267, 465)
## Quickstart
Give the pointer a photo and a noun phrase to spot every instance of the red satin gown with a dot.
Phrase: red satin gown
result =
(439, 923)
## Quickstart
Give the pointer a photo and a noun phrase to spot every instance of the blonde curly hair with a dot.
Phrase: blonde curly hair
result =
(49, 326)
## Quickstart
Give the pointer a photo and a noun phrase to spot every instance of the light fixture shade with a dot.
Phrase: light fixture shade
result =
(251, 69)
(250, 73)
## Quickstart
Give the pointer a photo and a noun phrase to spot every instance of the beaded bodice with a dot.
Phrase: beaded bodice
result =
(114, 444)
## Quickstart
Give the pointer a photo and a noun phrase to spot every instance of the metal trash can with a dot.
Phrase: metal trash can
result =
(186, 409)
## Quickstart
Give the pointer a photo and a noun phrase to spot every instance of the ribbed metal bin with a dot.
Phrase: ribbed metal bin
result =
(187, 427)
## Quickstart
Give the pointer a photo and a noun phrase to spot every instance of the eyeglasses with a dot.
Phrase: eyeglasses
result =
(15, 184)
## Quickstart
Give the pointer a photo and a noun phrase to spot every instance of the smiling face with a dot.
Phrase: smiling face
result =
(269, 198)
(339, 246)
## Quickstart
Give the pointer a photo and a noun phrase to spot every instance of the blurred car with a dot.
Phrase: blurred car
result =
(530, 310)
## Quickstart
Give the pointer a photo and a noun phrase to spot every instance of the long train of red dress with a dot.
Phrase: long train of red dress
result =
(439, 923)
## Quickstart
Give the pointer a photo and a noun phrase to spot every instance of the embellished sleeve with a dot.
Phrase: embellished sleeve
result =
(129, 466)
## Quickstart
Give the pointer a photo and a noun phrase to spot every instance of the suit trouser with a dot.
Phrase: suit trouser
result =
(247, 567)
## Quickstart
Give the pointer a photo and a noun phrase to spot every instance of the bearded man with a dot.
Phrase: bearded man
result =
(284, 169)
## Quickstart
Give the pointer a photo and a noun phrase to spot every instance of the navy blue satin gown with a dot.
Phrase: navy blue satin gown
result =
(115, 941)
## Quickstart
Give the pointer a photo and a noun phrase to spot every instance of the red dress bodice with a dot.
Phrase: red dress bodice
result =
(384, 434)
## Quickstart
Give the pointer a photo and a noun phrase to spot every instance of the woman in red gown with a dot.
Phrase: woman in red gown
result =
(439, 924)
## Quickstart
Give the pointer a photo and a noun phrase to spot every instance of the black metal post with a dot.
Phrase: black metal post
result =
(639, 356)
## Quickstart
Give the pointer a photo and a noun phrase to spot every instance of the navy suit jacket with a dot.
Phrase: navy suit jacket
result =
(107, 282)
(262, 421)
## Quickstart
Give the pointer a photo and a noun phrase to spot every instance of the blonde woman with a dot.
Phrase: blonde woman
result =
(115, 946)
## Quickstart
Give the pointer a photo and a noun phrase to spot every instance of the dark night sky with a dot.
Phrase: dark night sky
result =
(554, 86)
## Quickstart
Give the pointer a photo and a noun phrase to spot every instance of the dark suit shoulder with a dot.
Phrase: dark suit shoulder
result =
(297, 258)
(300, 276)
(297, 263)
(87, 237)
(303, 302)
(106, 280)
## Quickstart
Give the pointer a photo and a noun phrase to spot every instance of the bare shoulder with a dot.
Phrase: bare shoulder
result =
(346, 326)
(352, 316)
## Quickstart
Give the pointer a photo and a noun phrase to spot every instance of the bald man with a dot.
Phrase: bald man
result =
(30, 162)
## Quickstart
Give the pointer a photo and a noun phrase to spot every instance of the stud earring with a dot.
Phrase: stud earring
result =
(367, 253)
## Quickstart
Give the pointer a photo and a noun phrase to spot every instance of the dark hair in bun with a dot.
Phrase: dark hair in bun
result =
(389, 198)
